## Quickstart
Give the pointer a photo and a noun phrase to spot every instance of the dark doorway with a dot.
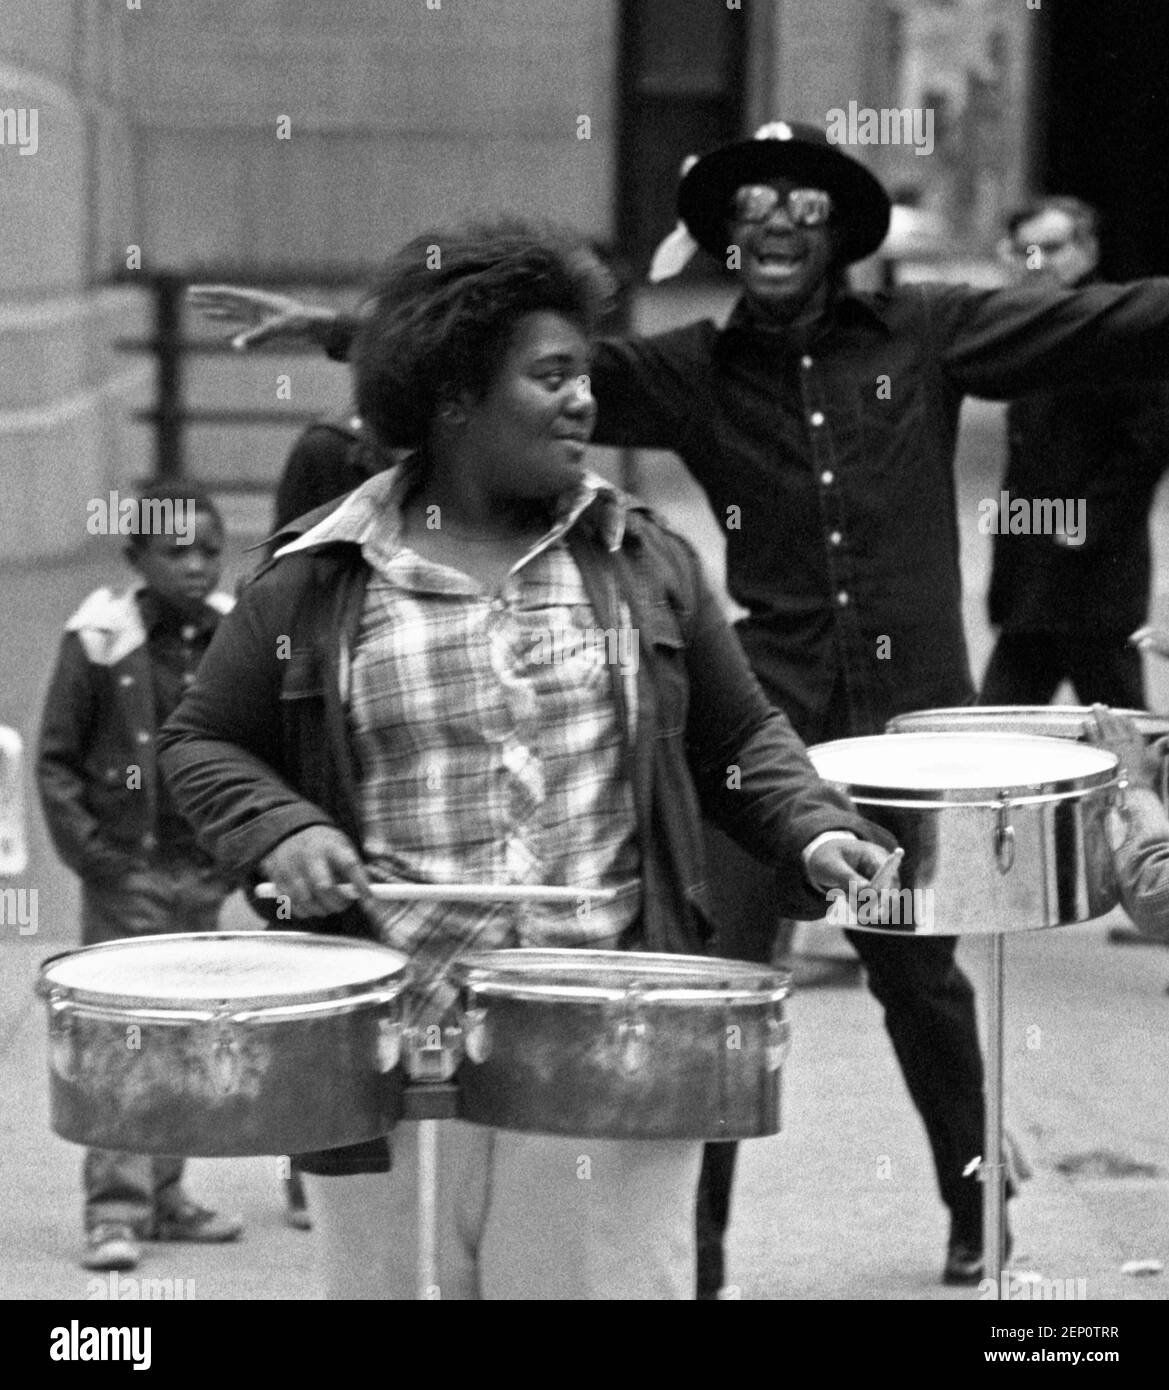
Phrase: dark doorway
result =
(681, 73)
(1103, 114)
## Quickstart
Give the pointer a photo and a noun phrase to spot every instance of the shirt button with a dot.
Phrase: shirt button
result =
(188, 678)
(827, 477)
(190, 632)
(149, 842)
(143, 736)
(515, 758)
(817, 417)
(835, 538)
(125, 681)
(842, 598)
(805, 361)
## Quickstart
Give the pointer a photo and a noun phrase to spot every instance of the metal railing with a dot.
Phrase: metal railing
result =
(170, 415)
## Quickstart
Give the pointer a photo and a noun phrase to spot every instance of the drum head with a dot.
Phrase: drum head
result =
(1048, 721)
(579, 974)
(196, 969)
(962, 766)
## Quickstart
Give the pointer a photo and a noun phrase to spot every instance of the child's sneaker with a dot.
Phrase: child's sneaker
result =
(111, 1245)
(192, 1222)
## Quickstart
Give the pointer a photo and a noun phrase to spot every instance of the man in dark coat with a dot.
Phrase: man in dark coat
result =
(1066, 596)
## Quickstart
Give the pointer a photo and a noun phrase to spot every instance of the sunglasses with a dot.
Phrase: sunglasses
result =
(805, 207)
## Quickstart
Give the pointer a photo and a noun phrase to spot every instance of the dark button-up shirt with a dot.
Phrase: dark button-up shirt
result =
(829, 456)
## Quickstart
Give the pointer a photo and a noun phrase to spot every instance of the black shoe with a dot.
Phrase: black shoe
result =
(1127, 936)
(964, 1261)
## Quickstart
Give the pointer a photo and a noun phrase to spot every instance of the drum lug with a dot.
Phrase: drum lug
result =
(224, 1059)
(476, 1034)
(1004, 834)
(432, 1053)
(631, 1032)
(776, 1044)
(62, 1036)
(389, 1044)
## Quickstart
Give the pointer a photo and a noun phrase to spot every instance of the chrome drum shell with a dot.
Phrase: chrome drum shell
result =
(220, 1044)
(621, 1044)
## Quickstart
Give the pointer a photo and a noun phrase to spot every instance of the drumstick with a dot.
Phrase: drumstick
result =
(1149, 639)
(884, 875)
(427, 1271)
(465, 892)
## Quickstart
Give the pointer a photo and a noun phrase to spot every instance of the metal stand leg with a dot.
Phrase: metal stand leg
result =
(992, 1170)
(427, 1209)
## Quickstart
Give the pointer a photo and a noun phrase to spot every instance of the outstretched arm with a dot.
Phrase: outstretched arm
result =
(256, 317)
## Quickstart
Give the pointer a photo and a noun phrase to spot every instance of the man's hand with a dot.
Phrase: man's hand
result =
(1120, 735)
(264, 317)
(837, 863)
(318, 871)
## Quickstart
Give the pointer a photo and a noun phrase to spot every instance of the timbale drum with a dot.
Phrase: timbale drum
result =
(225, 1043)
(1047, 721)
(1001, 832)
(621, 1044)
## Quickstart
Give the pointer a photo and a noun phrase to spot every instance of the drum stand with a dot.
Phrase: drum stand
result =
(991, 1168)
(428, 1286)
(434, 1066)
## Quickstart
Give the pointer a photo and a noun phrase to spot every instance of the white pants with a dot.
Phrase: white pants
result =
(519, 1216)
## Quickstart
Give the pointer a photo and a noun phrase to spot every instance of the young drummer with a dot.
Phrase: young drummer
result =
(378, 706)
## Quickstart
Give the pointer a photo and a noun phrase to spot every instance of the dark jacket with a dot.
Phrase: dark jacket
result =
(259, 749)
(97, 767)
(1106, 445)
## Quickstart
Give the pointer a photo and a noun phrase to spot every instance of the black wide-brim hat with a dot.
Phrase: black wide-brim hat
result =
(793, 150)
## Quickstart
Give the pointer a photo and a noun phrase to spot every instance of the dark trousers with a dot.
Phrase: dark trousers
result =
(1027, 668)
(929, 1015)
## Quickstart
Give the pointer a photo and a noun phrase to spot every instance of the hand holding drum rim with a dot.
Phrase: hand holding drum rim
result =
(319, 870)
(1139, 761)
(262, 317)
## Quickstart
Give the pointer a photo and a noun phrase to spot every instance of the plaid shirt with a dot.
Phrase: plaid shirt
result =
(488, 743)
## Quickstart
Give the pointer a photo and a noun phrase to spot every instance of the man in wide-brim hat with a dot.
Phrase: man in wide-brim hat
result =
(821, 424)
(802, 155)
